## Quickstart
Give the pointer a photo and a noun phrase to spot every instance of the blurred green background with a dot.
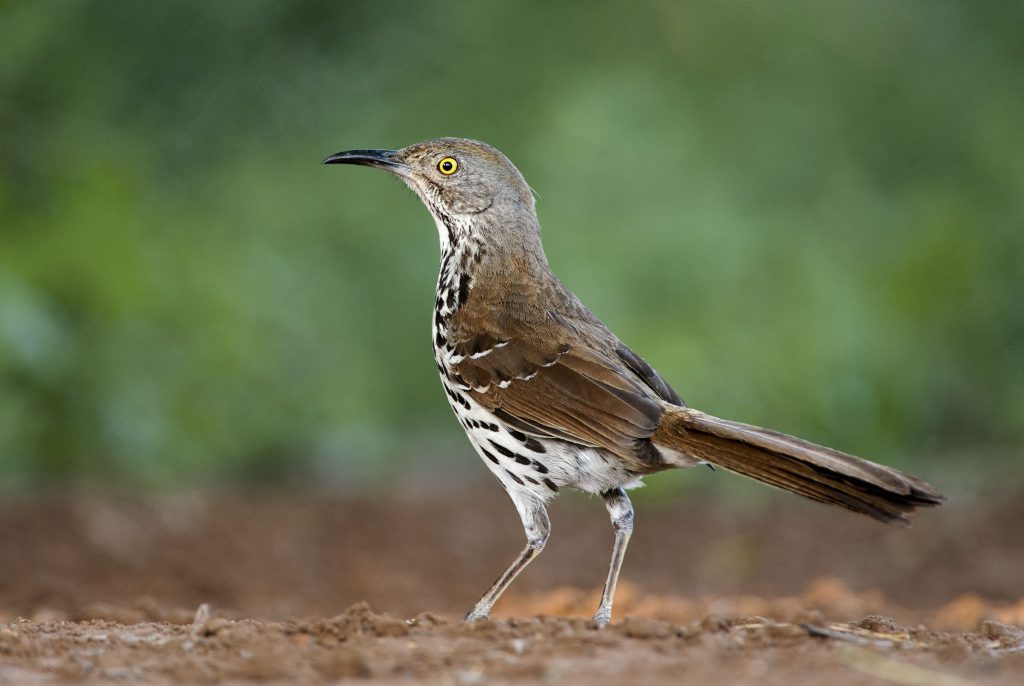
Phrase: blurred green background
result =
(808, 215)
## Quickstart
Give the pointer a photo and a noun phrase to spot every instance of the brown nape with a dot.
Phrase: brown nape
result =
(798, 466)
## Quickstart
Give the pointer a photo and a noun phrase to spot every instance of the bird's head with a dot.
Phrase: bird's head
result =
(462, 182)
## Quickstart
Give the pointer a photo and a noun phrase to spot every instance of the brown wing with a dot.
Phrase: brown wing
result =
(650, 377)
(562, 382)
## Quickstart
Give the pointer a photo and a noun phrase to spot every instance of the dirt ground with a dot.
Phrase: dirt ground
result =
(301, 586)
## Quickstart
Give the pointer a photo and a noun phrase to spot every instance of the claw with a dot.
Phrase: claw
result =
(476, 615)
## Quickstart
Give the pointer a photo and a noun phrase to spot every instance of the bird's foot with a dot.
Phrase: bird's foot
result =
(478, 613)
(602, 618)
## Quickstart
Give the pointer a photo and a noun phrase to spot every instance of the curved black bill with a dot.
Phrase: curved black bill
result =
(386, 159)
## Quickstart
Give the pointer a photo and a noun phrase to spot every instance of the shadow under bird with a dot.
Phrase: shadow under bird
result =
(550, 398)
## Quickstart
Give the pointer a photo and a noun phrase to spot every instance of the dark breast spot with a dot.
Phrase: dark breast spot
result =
(539, 467)
(489, 455)
(534, 445)
(456, 397)
(508, 453)
(501, 449)
(463, 287)
(515, 478)
(551, 484)
(529, 441)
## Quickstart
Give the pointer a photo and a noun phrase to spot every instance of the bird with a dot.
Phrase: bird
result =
(551, 399)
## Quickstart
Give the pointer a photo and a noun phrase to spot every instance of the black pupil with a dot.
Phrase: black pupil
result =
(446, 165)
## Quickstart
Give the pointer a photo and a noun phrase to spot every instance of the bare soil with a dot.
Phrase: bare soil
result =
(278, 586)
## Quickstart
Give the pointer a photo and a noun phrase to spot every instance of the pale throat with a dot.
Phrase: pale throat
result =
(461, 252)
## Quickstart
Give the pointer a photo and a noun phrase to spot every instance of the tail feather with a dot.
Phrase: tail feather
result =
(796, 465)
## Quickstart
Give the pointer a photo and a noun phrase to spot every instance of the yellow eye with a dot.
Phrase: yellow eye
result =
(447, 166)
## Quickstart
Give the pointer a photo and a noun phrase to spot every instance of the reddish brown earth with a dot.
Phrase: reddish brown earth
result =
(106, 589)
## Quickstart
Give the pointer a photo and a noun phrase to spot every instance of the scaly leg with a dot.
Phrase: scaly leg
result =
(538, 528)
(621, 512)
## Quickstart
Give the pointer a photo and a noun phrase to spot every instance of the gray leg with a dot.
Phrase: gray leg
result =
(538, 528)
(621, 512)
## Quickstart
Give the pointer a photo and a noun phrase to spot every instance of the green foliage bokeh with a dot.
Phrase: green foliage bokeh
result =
(808, 215)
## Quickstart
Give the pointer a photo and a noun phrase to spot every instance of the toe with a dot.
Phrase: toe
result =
(475, 615)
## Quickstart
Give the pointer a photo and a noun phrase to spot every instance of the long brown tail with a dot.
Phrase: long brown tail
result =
(796, 465)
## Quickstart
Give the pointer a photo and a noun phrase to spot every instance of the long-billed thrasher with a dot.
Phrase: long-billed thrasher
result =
(551, 399)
